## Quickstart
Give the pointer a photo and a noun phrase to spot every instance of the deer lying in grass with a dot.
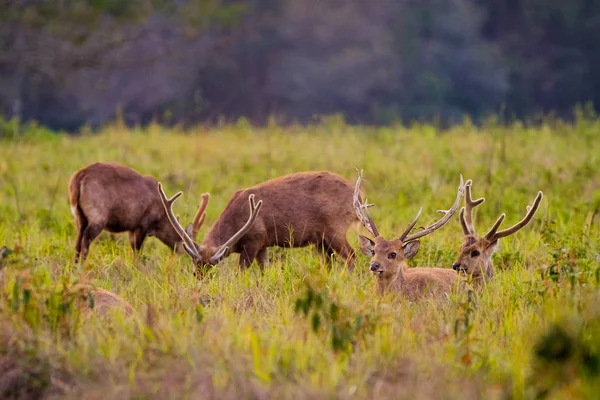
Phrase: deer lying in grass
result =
(300, 209)
(475, 256)
(85, 297)
(387, 256)
(113, 197)
(90, 298)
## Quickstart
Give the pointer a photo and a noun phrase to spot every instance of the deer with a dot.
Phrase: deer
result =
(86, 297)
(388, 257)
(116, 198)
(89, 298)
(300, 209)
(475, 254)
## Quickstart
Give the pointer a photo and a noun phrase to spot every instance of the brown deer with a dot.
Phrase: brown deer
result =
(90, 298)
(85, 297)
(388, 256)
(116, 198)
(300, 209)
(475, 255)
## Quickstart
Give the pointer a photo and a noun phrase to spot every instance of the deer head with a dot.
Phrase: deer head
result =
(205, 256)
(387, 256)
(475, 256)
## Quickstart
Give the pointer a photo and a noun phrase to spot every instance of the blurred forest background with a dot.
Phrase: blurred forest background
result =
(66, 63)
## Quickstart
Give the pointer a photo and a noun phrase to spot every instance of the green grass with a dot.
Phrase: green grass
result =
(534, 330)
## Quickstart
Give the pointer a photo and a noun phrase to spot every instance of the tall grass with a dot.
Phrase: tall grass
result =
(533, 331)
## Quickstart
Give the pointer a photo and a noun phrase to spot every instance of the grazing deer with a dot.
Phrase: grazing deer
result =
(299, 209)
(387, 256)
(475, 256)
(116, 198)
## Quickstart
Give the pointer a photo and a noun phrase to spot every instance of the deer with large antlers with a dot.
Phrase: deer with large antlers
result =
(300, 209)
(116, 198)
(209, 255)
(388, 256)
(475, 256)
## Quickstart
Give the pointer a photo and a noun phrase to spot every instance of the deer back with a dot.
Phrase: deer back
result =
(298, 209)
(420, 282)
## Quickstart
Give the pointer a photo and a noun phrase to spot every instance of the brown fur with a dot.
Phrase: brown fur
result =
(393, 275)
(479, 267)
(103, 300)
(299, 209)
(113, 197)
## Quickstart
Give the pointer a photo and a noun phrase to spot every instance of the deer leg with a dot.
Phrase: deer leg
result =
(247, 255)
(82, 223)
(343, 248)
(262, 258)
(90, 233)
(136, 239)
(78, 243)
(325, 253)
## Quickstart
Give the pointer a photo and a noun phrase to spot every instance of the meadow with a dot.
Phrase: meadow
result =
(299, 330)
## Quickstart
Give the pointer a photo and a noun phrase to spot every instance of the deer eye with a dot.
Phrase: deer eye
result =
(392, 256)
(475, 253)
(372, 252)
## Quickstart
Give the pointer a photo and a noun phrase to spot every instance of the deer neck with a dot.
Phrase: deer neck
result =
(218, 235)
(391, 283)
(487, 273)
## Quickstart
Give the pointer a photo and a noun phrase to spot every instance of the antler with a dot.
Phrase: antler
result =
(437, 225)
(254, 209)
(466, 213)
(493, 235)
(193, 228)
(188, 243)
(362, 211)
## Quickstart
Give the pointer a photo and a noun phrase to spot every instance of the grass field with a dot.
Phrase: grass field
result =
(533, 331)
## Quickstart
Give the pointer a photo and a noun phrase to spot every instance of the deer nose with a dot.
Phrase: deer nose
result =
(375, 266)
(456, 266)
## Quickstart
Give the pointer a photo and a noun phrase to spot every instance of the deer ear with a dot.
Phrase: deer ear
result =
(493, 246)
(411, 248)
(366, 245)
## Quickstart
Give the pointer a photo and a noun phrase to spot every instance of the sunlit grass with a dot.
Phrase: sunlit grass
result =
(235, 334)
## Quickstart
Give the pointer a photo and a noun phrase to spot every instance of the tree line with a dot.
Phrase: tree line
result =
(73, 62)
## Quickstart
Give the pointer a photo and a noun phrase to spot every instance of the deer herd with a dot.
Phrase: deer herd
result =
(296, 210)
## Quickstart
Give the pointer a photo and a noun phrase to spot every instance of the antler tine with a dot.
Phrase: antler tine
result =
(410, 226)
(447, 215)
(362, 211)
(188, 243)
(254, 209)
(493, 235)
(466, 216)
(193, 228)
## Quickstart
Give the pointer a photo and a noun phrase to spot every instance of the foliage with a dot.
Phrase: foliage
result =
(344, 328)
(235, 334)
(379, 61)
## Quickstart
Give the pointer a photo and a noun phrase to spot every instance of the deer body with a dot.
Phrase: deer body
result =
(388, 256)
(392, 275)
(300, 209)
(86, 297)
(90, 298)
(116, 198)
